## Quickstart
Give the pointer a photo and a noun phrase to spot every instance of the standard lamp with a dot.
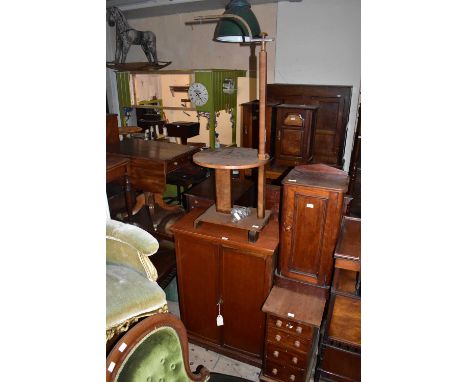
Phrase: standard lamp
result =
(238, 24)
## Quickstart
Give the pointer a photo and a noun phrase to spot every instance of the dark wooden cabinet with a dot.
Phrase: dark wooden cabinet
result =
(332, 115)
(340, 346)
(250, 119)
(295, 134)
(312, 208)
(217, 265)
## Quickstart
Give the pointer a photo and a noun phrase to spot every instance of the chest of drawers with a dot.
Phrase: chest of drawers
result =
(293, 322)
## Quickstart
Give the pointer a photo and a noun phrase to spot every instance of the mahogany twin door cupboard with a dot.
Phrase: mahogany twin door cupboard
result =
(220, 273)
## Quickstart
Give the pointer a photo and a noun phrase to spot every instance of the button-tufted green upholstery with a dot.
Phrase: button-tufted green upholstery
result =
(157, 358)
(156, 350)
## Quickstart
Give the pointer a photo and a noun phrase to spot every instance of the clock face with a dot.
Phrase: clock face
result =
(198, 94)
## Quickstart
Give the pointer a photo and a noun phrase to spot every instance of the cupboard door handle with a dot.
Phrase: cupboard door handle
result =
(297, 344)
(287, 227)
(279, 135)
(279, 323)
(292, 377)
(276, 354)
(275, 371)
(299, 330)
(294, 360)
(278, 337)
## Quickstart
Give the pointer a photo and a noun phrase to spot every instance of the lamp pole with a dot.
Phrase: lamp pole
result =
(261, 129)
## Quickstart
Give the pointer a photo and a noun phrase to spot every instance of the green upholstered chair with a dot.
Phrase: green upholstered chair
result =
(131, 288)
(156, 350)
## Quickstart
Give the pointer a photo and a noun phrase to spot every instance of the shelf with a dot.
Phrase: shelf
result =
(178, 89)
(164, 107)
(345, 324)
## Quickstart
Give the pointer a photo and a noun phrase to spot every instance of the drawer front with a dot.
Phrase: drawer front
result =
(286, 357)
(283, 373)
(285, 339)
(177, 163)
(339, 363)
(195, 202)
(298, 329)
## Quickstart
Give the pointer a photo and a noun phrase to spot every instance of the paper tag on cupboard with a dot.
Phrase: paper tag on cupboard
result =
(219, 320)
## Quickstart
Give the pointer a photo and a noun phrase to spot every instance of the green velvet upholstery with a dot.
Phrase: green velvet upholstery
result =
(130, 246)
(158, 357)
(131, 288)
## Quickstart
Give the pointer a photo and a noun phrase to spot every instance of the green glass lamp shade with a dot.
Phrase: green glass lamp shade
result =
(232, 30)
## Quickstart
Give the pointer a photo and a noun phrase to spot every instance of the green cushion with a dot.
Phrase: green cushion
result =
(130, 294)
(130, 246)
(156, 358)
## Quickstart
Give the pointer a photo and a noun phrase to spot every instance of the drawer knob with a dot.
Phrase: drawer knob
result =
(279, 323)
(292, 377)
(278, 338)
(275, 371)
(175, 163)
(276, 353)
(297, 343)
(299, 329)
(196, 201)
(294, 360)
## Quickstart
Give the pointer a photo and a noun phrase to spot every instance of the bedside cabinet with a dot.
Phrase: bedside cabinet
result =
(313, 199)
(291, 341)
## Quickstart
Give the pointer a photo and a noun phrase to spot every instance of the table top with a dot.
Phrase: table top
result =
(153, 150)
(318, 175)
(229, 158)
(113, 161)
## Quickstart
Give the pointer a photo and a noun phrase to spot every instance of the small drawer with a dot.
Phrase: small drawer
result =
(195, 202)
(177, 163)
(282, 338)
(283, 373)
(286, 357)
(292, 327)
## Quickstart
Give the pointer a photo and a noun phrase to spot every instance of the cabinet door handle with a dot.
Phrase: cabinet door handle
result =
(279, 135)
(276, 354)
(297, 344)
(275, 371)
(287, 227)
(279, 323)
(294, 360)
(278, 337)
(292, 377)
(299, 330)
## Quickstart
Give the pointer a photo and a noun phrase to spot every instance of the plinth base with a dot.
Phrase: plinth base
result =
(251, 224)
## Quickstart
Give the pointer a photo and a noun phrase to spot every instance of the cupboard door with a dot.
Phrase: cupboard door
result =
(246, 281)
(307, 235)
(197, 275)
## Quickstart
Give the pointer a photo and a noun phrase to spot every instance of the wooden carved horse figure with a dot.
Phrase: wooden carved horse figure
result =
(127, 36)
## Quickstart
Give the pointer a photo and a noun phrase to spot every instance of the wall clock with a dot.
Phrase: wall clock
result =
(198, 94)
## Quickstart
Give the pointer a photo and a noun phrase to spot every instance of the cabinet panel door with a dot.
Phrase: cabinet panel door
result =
(308, 236)
(289, 144)
(245, 286)
(197, 275)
